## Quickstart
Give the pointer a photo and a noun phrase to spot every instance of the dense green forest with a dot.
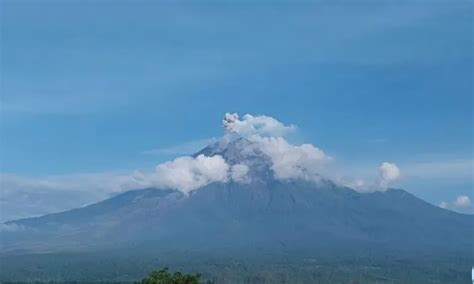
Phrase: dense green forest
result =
(125, 268)
(164, 276)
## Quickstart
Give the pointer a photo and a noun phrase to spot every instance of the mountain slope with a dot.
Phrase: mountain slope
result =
(265, 214)
(300, 214)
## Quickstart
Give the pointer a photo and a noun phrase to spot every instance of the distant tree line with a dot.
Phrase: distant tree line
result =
(164, 276)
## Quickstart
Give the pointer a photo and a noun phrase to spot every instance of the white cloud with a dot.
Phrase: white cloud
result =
(444, 205)
(389, 173)
(462, 202)
(188, 173)
(292, 161)
(249, 125)
(239, 173)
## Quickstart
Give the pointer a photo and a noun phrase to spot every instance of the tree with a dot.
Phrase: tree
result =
(163, 276)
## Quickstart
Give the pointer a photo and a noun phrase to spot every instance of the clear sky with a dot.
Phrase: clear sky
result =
(93, 87)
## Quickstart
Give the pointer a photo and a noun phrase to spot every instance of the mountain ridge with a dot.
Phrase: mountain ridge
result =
(305, 215)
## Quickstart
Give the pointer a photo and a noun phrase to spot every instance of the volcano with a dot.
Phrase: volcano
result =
(262, 216)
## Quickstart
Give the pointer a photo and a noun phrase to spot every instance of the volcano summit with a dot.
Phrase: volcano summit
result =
(249, 196)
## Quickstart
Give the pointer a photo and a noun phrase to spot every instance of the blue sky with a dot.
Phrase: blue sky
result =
(88, 86)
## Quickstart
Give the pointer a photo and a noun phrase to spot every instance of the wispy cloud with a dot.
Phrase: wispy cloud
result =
(26, 196)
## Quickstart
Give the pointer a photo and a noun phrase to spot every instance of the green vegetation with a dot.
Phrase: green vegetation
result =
(163, 276)
(107, 267)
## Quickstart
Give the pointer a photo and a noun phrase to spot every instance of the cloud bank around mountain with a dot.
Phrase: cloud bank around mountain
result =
(190, 173)
(185, 173)
(266, 134)
(292, 161)
(31, 196)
